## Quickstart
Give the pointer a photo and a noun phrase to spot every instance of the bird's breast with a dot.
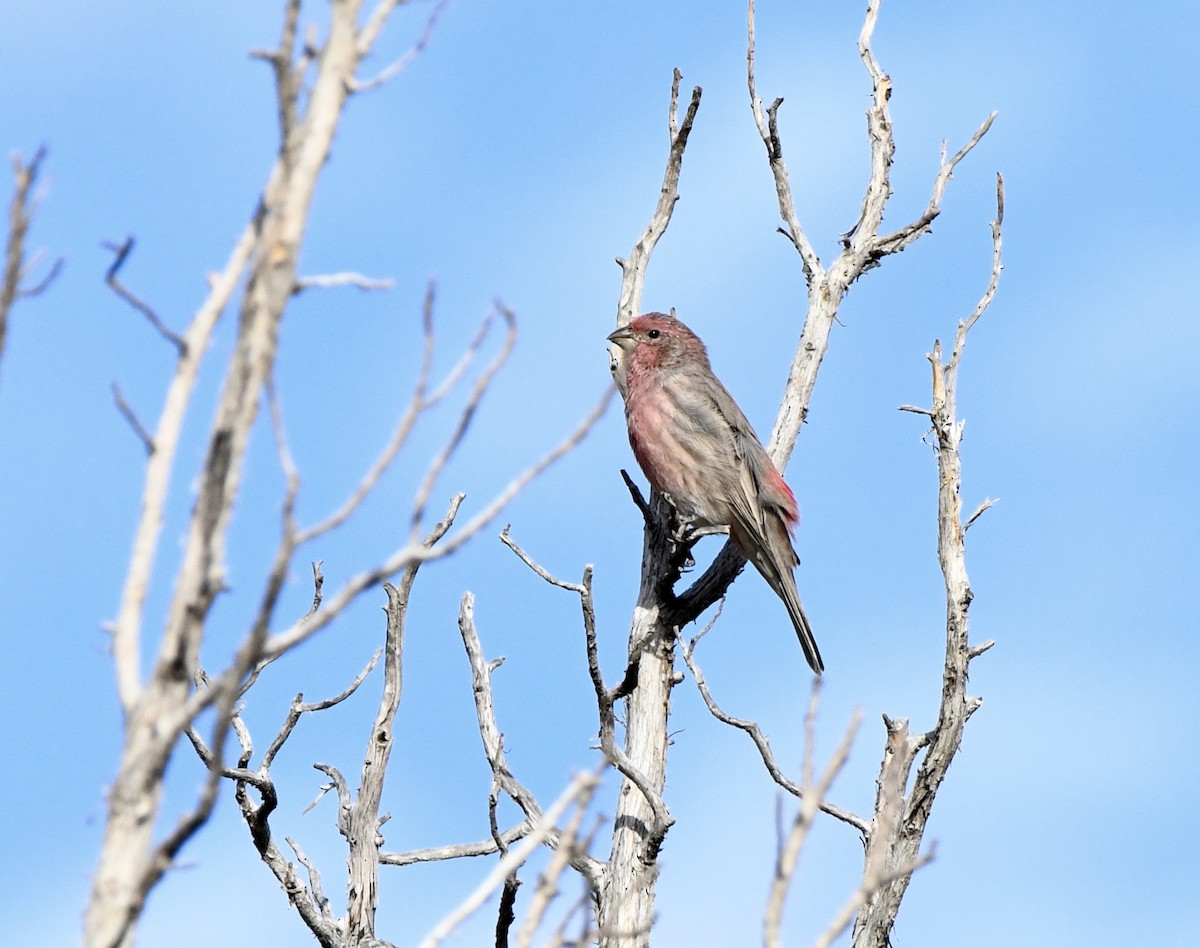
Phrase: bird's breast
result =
(676, 452)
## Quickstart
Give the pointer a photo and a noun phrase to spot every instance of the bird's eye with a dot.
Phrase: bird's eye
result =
(653, 334)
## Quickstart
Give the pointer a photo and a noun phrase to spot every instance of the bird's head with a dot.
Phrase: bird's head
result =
(659, 341)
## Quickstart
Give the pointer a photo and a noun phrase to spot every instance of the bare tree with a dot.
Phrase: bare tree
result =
(314, 82)
(900, 819)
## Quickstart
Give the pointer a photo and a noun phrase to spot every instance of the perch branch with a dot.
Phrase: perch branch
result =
(768, 130)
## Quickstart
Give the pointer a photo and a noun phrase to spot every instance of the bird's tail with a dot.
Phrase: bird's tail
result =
(791, 598)
(772, 557)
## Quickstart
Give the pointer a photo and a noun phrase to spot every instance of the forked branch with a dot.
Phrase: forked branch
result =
(493, 740)
(578, 793)
(862, 250)
(605, 697)
(899, 824)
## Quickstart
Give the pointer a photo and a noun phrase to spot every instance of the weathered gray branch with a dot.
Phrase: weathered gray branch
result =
(761, 742)
(160, 708)
(894, 840)
(626, 903)
(578, 793)
(484, 847)
(493, 740)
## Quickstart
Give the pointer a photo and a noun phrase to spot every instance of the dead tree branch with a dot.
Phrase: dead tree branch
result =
(811, 798)
(493, 740)
(329, 280)
(484, 847)
(17, 267)
(121, 253)
(761, 742)
(578, 793)
(899, 824)
(626, 904)
(159, 708)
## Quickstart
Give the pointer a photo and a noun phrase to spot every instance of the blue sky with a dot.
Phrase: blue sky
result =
(515, 159)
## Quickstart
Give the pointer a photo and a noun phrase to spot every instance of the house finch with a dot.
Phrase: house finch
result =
(696, 446)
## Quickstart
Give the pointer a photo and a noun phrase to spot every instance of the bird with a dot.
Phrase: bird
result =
(696, 446)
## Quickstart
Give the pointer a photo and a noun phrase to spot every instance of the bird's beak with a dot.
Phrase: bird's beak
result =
(623, 337)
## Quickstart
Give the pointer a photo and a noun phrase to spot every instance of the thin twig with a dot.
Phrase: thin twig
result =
(299, 708)
(789, 854)
(329, 280)
(404, 61)
(987, 504)
(131, 416)
(768, 130)
(314, 877)
(484, 847)
(299, 632)
(579, 793)
(761, 742)
(122, 252)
